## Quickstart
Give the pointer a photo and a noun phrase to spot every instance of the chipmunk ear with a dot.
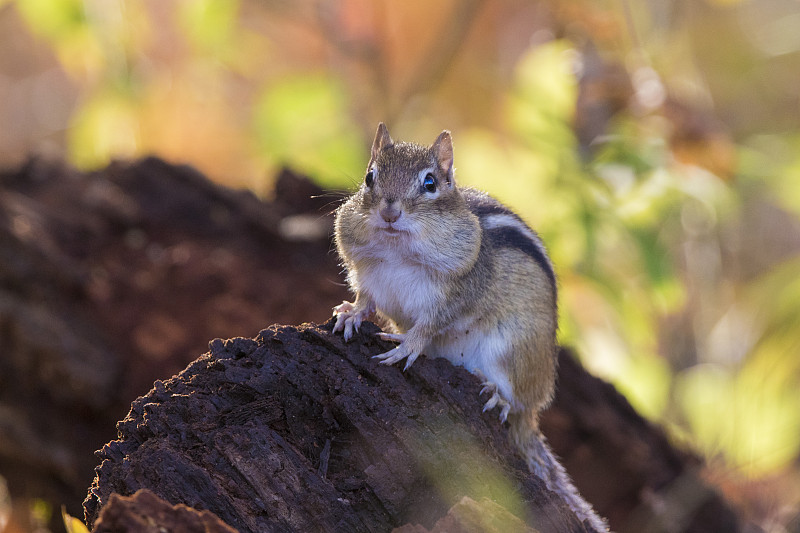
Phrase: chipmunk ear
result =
(382, 140)
(443, 151)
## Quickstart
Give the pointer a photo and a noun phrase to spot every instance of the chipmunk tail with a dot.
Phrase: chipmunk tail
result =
(531, 443)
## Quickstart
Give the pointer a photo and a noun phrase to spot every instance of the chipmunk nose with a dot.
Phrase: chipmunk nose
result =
(390, 212)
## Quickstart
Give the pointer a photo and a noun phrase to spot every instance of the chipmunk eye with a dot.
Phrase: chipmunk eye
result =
(429, 183)
(370, 178)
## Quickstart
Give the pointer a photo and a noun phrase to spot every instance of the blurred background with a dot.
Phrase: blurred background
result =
(655, 145)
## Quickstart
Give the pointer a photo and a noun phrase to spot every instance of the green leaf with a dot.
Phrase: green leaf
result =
(304, 122)
(209, 24)
(53, 19)
(105, 126)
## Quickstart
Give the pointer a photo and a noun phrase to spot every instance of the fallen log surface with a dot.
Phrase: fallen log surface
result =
(297, 431)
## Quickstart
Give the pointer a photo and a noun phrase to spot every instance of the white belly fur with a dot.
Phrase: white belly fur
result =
(407, 293)
(404, 293)
(475, 349)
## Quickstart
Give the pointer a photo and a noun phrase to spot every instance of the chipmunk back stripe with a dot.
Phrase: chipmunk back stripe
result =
(512, 238)
(508, 230)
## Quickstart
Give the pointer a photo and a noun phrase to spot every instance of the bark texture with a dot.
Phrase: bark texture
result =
(297, 431)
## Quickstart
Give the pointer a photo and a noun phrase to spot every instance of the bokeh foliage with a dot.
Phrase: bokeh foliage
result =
(674, 228)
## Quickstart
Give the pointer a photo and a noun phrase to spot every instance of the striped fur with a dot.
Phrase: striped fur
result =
(506, 229)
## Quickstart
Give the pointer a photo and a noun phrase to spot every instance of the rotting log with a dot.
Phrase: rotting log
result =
(296, 430)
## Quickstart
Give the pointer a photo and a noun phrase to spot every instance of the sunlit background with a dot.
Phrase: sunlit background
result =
(655, 145)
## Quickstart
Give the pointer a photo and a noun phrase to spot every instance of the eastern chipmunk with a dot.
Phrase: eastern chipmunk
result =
(457, 275)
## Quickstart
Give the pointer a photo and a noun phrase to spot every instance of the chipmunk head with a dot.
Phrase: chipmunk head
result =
(405, 180)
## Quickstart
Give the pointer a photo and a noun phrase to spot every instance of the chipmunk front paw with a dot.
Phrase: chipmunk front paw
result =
(398, 353)
(349, 317)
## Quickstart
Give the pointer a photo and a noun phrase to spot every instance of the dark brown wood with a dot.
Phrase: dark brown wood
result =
(112, 279)
(297, 431)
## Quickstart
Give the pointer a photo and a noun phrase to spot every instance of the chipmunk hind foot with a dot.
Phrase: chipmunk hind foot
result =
(495, 400)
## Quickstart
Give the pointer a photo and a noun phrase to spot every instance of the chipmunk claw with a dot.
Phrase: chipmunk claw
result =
(495, 400)
(349, 318)
(488, 386)
(398, 353)
(391, 337)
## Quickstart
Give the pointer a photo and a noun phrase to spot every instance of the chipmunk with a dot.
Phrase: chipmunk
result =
(457, 275)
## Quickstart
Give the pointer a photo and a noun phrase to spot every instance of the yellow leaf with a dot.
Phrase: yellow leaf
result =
(72, 524)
